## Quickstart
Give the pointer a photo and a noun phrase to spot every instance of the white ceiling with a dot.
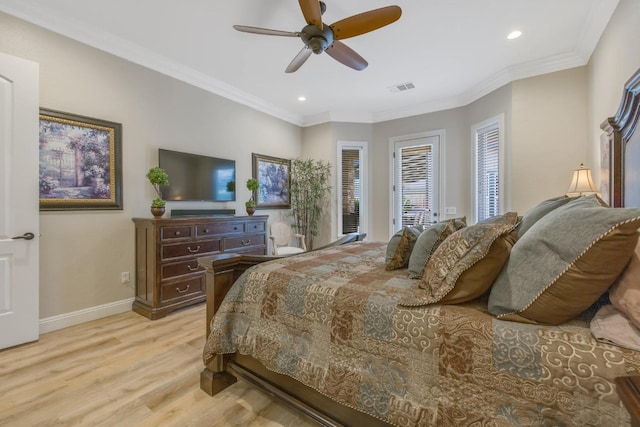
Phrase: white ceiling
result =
(453, 51)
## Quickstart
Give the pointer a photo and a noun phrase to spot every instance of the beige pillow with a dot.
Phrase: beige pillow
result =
(464, 266)
(625, 292)
(611, 326)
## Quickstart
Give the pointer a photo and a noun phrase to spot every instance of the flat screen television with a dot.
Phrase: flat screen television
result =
(197, 177)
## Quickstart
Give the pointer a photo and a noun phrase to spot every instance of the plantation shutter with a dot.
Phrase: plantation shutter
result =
(351, 191)
(487, 169)
(414, 177)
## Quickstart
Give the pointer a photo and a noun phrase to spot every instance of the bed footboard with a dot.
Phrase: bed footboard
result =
(222, 271)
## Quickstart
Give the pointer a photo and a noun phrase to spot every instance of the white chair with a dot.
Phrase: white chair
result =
(281, 237)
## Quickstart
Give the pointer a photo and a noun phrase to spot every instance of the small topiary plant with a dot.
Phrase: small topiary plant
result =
(157, 177)
(252, 185)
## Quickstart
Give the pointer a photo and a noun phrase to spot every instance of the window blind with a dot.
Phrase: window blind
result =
(414, 177)
(351, 191)
(488, 173)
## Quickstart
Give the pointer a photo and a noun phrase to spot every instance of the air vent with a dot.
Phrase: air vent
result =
(401, 87)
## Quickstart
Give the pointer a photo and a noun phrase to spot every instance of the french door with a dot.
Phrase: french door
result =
(416, 180)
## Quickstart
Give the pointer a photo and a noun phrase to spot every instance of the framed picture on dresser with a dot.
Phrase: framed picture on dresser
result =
(273, 175)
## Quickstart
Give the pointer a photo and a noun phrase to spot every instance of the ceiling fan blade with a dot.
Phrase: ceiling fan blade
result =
(344, 54)
(257, 30)
(300, 59)
(365, 22)
(312, 12)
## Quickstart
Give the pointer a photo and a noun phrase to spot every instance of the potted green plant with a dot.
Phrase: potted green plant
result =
(157, 177)
(252, 185)
(310, 190)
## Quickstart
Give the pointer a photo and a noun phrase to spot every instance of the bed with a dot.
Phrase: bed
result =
(338, 335)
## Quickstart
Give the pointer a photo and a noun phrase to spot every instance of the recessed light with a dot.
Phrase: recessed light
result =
(514, 35)
(302, 98)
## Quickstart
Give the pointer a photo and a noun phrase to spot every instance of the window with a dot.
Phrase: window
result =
(489, 169)
(415, 181)
(352, 187)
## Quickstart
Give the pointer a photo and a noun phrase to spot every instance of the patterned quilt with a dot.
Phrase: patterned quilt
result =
(330, 319)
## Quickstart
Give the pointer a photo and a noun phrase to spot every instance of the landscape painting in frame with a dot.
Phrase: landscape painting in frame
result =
(272, 174)
(80, 162)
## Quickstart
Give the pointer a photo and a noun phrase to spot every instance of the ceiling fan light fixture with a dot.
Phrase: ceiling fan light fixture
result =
(318, 38)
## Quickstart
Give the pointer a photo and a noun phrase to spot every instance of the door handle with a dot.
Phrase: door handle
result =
(25, 236)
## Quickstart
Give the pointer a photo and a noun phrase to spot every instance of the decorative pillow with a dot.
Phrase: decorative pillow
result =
(625, 292)
(427, 243)
(395, 240)
(401, 255)
(464, 266)
(534, 214)
(611, 326)
(565, 262)
(459, 222)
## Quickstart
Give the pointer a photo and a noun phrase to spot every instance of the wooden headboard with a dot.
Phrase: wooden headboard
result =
(624, 148)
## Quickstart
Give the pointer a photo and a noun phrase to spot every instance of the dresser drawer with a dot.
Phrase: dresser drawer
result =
(179, 232)
(255, 227)
(204, 230)
(179, 250)
(167, 271)
(244, 241)
(185, 288)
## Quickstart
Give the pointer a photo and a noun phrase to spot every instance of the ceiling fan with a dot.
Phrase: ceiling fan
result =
(318, 38)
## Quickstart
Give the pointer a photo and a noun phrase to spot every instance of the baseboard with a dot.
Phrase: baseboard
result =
(60, 321)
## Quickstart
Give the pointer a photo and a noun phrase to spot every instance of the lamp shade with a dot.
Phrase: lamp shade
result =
(581, 182)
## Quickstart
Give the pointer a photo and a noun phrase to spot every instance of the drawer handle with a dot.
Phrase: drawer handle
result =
(193, 251)
(246, 242)
(182, 291)
(192, 268)
(206, 230)
(235, 228)
(177, 233)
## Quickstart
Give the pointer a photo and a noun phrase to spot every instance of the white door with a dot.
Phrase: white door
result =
(416, 180)
(19, 192)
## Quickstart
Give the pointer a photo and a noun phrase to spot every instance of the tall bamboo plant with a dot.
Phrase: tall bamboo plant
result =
(309, 195)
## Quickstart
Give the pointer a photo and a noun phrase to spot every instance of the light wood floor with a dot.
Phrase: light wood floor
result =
(126, 370)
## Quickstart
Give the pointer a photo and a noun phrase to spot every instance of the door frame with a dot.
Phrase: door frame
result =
(363, 147)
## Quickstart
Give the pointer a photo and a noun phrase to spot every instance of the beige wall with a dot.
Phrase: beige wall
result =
(84, 252)
(548, 135)
(545, 120)
(614, 60)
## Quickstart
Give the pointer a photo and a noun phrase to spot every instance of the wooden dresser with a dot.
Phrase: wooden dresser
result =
(168, 275)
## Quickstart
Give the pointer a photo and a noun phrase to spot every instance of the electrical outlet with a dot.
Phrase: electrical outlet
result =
(450, 211)
(124, 277)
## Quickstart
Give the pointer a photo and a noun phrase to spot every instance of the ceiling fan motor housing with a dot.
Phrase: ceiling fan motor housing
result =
(316, 39)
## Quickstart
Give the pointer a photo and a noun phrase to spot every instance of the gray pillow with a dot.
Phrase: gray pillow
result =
(426, 244)
(392, 246)
(565, 262)
(534, 214)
